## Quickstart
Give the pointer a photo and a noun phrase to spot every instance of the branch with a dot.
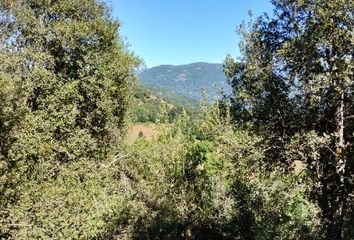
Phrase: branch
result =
(348, 117)
(116, 159)
(334, 153)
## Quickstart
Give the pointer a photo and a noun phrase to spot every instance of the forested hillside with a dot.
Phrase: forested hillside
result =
(274, 159)
(155, 105)
(187, 80)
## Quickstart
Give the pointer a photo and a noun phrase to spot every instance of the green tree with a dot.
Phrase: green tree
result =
(64, 85)
(295, 81)
(203, 179)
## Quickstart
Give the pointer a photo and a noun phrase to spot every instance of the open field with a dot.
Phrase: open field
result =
(148, 130)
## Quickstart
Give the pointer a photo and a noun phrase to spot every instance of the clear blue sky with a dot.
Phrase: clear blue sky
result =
(184, 31)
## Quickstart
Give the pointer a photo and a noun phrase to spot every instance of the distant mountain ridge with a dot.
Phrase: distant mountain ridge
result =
(187, 80)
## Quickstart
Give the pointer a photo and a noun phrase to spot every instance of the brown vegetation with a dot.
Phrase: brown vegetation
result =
(148, 130)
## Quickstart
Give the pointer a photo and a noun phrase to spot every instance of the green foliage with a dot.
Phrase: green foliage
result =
(83, 202)
(293, 84)
(151, 104)
(205, 180)
(65, 80)
(274, 162)
(175, 99)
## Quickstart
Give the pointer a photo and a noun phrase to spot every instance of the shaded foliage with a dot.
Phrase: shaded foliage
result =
(65, 80)
(294, 83)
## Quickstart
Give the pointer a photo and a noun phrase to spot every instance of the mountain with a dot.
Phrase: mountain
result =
(187, 80)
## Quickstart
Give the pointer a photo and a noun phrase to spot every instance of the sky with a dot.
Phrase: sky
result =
(184, 31)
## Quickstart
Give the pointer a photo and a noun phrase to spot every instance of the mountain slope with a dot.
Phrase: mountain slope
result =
(187, 80)
(156, 105)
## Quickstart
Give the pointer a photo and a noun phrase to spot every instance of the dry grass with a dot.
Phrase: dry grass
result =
(148, 131)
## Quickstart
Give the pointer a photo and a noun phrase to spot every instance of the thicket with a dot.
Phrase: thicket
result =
(207, 180)
(294, 83)
(273, 161)
(65, 79)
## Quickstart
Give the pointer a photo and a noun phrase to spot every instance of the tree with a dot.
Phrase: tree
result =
(64, 86)
(295, 78)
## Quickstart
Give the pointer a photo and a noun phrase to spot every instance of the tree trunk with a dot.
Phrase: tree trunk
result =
(340, 121)
(339, 193)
